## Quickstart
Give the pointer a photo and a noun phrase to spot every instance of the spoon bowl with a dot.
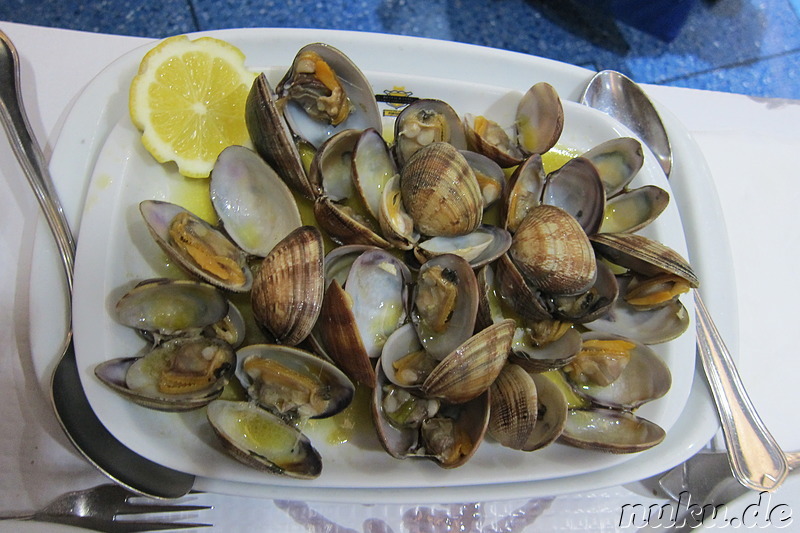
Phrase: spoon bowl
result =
(620, 97)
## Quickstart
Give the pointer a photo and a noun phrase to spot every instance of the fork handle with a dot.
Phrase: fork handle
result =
(756, 459)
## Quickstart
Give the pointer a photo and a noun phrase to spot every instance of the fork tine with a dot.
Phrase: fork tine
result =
(126, 526)
(145, 508)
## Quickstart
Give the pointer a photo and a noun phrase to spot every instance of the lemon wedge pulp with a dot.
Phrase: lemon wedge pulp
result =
(188, 99)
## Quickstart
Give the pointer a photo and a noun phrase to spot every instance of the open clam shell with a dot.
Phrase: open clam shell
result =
(643, 255)
(539, 119)
(199, 248)
(444, 304)
(293, 383)
(645, 378)
(423, 122)
(617, 161)
(263, 441)
(632, 210)
(324, 92)
(178, 375)
(356, 319)
(166, 307)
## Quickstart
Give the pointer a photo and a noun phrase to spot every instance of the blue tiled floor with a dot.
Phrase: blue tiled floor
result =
(744, 46)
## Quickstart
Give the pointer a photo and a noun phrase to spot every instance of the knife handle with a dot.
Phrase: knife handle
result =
(756, 459)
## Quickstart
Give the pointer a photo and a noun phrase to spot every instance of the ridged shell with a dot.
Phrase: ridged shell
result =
(288, 287)
(440, 191)
(512, 416)
(553, 253)
(273, 139)
(643, 255)
(471, 369)
(340, 336)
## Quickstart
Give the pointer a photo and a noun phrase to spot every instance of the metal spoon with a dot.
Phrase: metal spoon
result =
(72, 408)
(756, 460)
(617, 95)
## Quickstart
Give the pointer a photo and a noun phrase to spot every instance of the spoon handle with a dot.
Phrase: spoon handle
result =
(29, 154)
(756, 460)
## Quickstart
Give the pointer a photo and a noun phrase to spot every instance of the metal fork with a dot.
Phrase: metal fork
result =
(99, 508)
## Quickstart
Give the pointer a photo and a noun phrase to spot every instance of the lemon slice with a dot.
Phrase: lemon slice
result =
(188, 99)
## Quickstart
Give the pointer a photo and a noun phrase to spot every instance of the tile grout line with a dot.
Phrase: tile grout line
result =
(729, 66)
(193, 13)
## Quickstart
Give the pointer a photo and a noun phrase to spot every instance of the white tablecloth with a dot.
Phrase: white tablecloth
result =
(751, 146)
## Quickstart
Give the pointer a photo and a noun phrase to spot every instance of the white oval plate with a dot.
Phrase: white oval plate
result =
(115, 251)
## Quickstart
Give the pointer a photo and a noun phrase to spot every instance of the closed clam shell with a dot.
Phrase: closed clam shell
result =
(643, 255)
(609, 430)
(472, 367)
(287, 290)
(512, 415)
(440, 191)
(553, 252)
